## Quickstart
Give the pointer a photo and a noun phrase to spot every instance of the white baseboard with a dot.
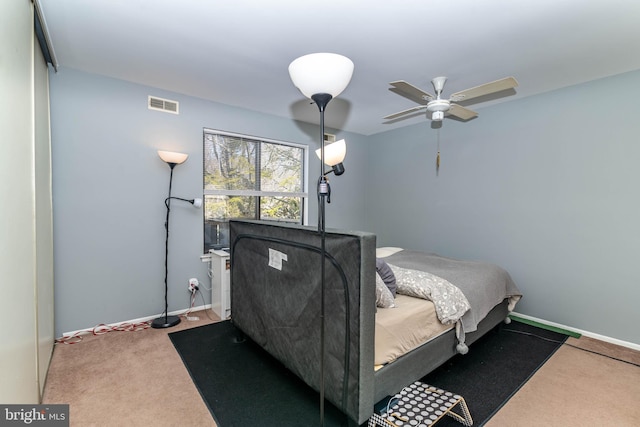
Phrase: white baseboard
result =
(139, 320)
(604, 338)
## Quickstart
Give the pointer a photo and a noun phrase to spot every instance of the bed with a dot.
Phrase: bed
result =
(275, 295)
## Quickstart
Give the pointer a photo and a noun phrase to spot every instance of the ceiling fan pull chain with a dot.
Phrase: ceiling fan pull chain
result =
(438, 155)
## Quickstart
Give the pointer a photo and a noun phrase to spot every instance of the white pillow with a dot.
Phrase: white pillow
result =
(386, 251)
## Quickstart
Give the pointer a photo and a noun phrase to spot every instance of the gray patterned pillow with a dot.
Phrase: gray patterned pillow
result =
(449, 301)
(384, 298)
(387, 276)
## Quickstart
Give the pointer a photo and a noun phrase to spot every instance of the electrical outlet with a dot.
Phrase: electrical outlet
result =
(193, 285)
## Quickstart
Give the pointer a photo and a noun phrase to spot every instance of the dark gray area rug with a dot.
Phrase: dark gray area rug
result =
(243, 386)
(495, 368)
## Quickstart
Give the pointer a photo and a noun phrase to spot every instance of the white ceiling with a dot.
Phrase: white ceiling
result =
(237, 52)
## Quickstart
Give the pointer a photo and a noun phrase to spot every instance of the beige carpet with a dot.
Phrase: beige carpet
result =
(127, 379)
(578, 388)
(138, 379)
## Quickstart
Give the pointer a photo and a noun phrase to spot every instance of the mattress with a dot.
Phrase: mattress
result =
(408, 325)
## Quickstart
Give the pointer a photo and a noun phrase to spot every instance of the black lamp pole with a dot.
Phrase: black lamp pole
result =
(166, 321)
(321, 100)
(327, 74)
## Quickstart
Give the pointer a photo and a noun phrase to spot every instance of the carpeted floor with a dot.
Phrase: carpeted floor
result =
(585, 383)
(126, 379)
(243, 386)
(138, 379)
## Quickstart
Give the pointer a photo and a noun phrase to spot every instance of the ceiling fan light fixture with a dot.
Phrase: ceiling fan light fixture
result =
(437, 116)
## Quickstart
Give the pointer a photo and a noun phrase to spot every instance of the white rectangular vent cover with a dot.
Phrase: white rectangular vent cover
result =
(166, 105)
(328, 137)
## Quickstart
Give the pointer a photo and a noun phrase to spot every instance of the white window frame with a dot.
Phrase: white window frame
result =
(257, 193)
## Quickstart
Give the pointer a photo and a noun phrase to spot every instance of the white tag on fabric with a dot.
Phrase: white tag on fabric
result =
(276, 258)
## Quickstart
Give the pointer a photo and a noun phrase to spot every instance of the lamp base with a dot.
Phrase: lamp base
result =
(165, 322)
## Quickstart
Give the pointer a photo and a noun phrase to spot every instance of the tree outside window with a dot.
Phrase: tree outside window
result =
(250, 178)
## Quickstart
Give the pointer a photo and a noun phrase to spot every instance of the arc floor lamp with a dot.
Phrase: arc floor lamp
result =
(172, 159)
(322, 77)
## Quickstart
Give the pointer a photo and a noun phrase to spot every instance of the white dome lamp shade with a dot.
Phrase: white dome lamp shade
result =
(321, 73)
(172, 158)
(334, 155)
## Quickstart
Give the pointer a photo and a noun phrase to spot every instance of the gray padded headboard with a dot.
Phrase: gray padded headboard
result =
(275, 300)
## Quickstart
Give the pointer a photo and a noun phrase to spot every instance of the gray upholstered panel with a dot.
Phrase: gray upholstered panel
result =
(279, 307)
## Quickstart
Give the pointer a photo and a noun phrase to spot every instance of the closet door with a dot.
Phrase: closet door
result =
(43, 216)
(26, 255)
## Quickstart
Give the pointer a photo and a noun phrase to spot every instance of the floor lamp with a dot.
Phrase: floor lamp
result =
(172, 159)
(321, 77)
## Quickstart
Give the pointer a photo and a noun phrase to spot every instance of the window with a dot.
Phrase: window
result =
(250, 178)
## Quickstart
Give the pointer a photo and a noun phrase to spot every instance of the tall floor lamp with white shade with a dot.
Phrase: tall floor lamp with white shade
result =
(322, 77)
(172, 159)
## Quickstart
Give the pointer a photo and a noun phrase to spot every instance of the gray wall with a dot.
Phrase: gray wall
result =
(543, 186)
(109, 187)
(546, 186)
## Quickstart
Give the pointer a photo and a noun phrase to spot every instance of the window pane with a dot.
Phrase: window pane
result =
(230, 163)
(224, 208)
(216, 235)
(218, 210)
(287, 209)
(281, 168)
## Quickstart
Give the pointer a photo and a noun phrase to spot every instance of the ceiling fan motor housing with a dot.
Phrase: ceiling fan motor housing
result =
(438, 107)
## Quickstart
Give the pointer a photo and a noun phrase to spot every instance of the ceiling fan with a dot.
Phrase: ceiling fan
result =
(438, 106)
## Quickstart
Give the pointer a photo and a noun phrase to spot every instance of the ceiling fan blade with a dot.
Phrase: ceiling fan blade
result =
(411, 92)
(461, 112)
(404, 112)
(485, 89)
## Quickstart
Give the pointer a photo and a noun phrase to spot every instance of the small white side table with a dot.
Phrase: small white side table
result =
(220, 270)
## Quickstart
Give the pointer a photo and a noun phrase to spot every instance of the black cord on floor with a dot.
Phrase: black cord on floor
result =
(570, 345)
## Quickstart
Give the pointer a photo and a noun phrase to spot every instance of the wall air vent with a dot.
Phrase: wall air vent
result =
(166, 105)
(328, 137)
